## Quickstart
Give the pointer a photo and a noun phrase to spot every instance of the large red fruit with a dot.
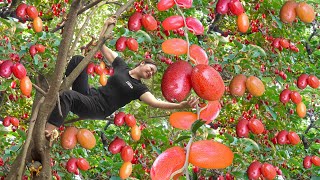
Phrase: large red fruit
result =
(19, 71)
(302, 81)
(313, 81)
(14, 121)
(288, 12)
(243, 23)
(72, 165)
(134, 23)
(256, 126)
(168, 162)
(83, 164)
(211, 111)
(307, 163)
(242, 128)
(6, 121)
(127, 153)
(165, 4)
(194, 25)
(132, 44)
(173, 22)
(293, 138)
(268, 171)
(211, 155)
(207, 82)
(148, 22)
(69, 138)
(198, 55)
(116, 145)
(119, 118)
(222, 6)
(33, 51)
(26, 86)
(285, 96)
(86, 139)
(175, 46)
(121, 44)
(282, 137)
(182, 120)
(176, 81)
(5, 68)
(21, 11)
(295, 97)
(90, 68)
(238, 85)
(40, 48)
(236, 7)
(315, 160)
(130, 120)
(254, 171)
(32, 12)
(184, 3)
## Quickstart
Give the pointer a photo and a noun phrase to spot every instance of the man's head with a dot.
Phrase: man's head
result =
(146, 68)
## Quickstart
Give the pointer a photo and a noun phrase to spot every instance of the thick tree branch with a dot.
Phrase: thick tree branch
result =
(311, 125)
(315, 28)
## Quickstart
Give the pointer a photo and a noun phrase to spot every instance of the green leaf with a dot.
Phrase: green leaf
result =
(238, 44)
(182, 138)
(145, 35)
(258, 49)
(36, 59)
(229, 137)
(115, 178)
(250, 144)
(274, 115)
(155, 149)
(279, 23)
(196, 125)
(4, 21)
(22, 133)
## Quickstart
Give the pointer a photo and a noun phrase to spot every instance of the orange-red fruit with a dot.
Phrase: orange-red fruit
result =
(125, 170)
(284, 43)
(148, 22)
(282, 137)
(26, 86)
(168, 162)
(243, 23)
(255, 86)
(198, 55)
(313, 81)
(21, 11)
(135, 133)
(211, 111)
(305, 12)
(194, 25)
(293, 138)
(37, 24)
(86, 139)
(315, 160)
(238, 85)
(295, 97)
(173, 22)
(130, 120)
(6, 121)
(32, 12)
(14, 121)
(103, 80)
(127, 153)
(254, 170)
(307, 162)
(301, 110)
(175, 46)
(182, 120)
(69, 138)
(165, 4)
(211, 155)
(40, 48)
(207, 82)
(256, 126)
(302, 81)
(288, 12)
(268, 171)
(242, 128)
(83, 164)
(132, 44)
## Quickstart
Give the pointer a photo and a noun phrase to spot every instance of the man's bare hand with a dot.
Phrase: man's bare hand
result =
(190, 103)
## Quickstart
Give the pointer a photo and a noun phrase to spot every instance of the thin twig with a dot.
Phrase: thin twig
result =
(39, 89)
(80, 118)
(59, 105)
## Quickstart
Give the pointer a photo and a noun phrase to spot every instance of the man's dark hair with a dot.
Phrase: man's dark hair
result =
(147, 61)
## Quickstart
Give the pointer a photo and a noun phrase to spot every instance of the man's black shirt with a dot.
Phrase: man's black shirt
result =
(121, 88)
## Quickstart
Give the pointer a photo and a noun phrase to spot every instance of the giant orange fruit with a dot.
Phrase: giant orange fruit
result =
(182, 120)
(167, 163)
(301, 110)
(207, 82)
(238, 85)
(26, 86)
(288, 12)
(211, 155)
(255, 86)
(211, 111)
(125, 170)
(37, 24)
(305, 12)
(243, 22)
(86, 139)
(69, 138)
(198, 55)
(175, 46)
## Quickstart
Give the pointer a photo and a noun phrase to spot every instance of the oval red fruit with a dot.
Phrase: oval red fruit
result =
(194, 25)
(32, 12)
(90, 68)
(222, 6)
(282, 137)
(302, 81)
(173, 22)
(293, 138)
(21, 11)
(254, 171)
(165, 4)
(211, 111)
(5, 68)
(235, 7)
(33, 51)
(121, 44)
(26, 86)
(242, 128)
(83, 164)
(148, 22)
(6, 121)
(256, 126)
(130, 120)
(132, 44)
(295, 97)
(184, 3)
(285, 96)
(313, 81)
(134, 23)
(127, 153)
(40, 48)
(307, 162)
(14, 121)
(116, 145)
(198, 55)
(175, 46)
(284, 43)
(268, 171)
(243, 23)
(72, 165)
(119, 118)
(315, 160)
(19, 71)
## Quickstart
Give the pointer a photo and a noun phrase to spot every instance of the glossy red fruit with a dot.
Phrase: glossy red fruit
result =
(256, 126)
(69, 138)
(32, 12)
(288, 12)
(21, 11)
(276, 43)
(121, 44)
(295, 97)
(294, 138)
(307, 162)
(119, 118)
(282, 137)
(148, 22)
(315, 160)
(5, 68)
(198, 55)
(184, 3)
(222, 6)
(284, 43)
(14, 121)
(86, 139)
(132, 44)
(26, 86)
(72, 165)
(90, 68)
(98, 70)
(83, 164)
(175, 46)
(194, 25)
(238, 85)
(243, 23)
(313, 81)
(301, 109)
(302, 81)
(130, 120)
(268, 171)
(173, 22)
(254, 171)
(165, 4)
(207, 82)
(176, 81)
(211, 111)
(182, 120)
(235, 7)
(40, 48)
(134, 23)
(285, 96)
(116, 145)
(6, 121)
(127, 153)
(242, 128)
(33, 51)
(19, 71)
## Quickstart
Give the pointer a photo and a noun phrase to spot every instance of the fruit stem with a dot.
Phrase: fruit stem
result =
(185, 29)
